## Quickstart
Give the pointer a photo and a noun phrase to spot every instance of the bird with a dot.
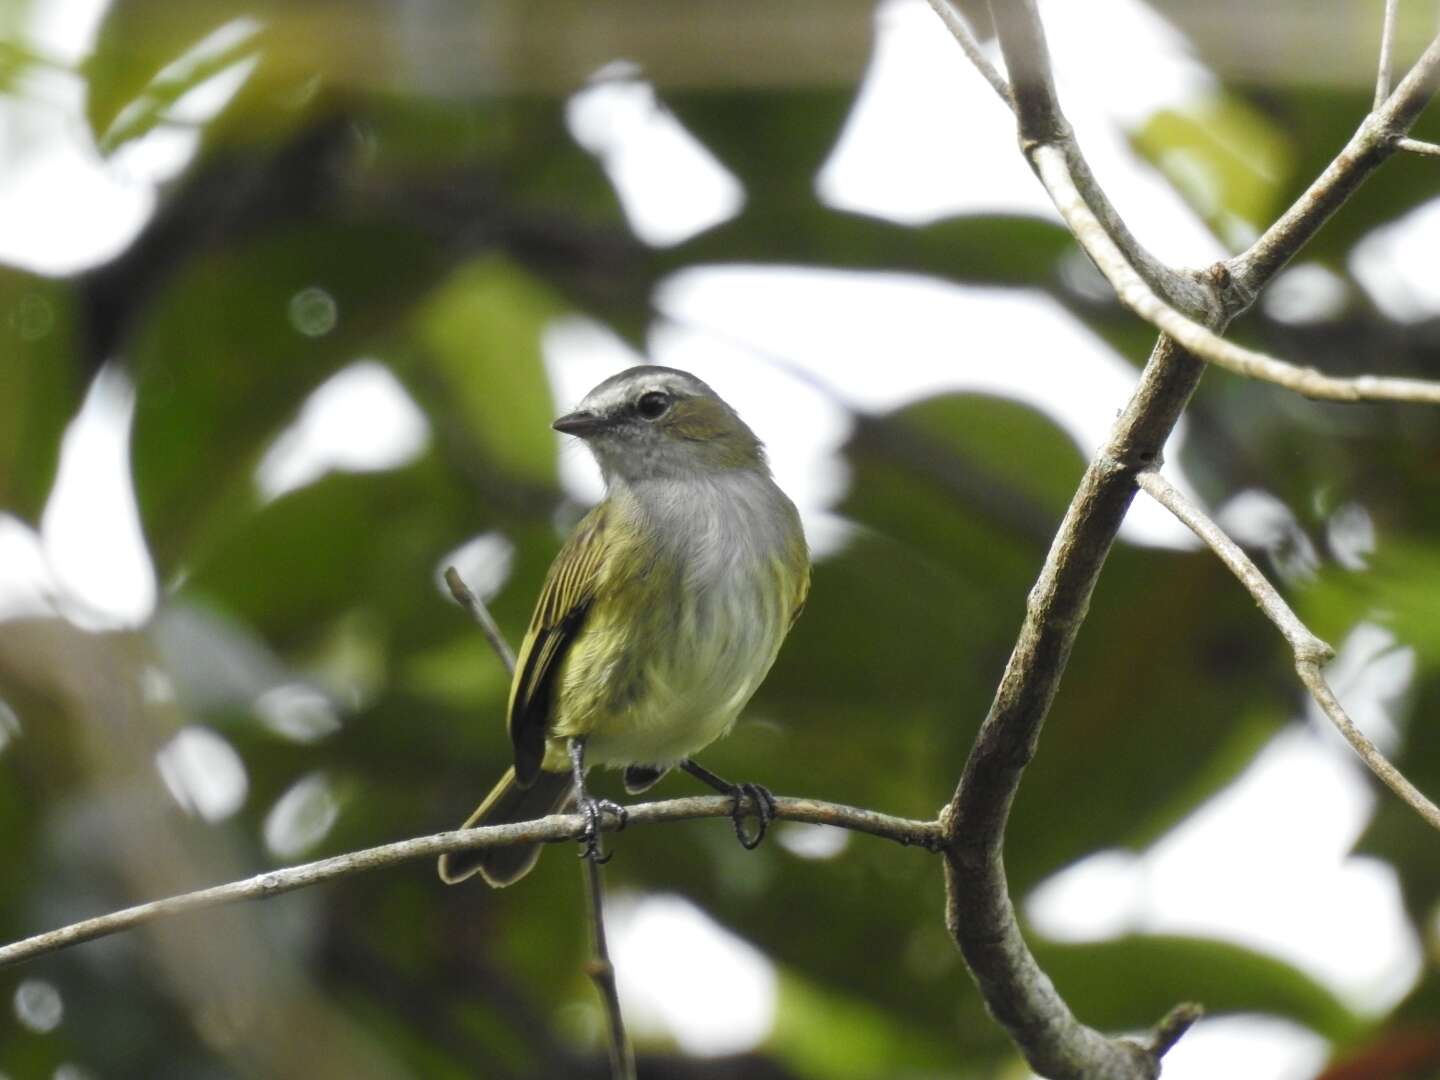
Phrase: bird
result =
(658, 620)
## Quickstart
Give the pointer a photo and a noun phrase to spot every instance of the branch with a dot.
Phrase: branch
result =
(1311, 654)
(1306, 646)
(481, 614)
(552, 829)
(599, 968)
(1055, 173)
(1387, 52)
(1244, 274)
(1169, 300)
(955, 22)
(1045, 132)
(1416, 146)
(1375, 140)
(602, 974)
(979, 913)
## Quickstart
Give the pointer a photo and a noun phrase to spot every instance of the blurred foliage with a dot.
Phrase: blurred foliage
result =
(447, 219)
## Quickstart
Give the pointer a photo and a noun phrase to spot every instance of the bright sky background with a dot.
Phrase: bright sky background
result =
(1265, 863)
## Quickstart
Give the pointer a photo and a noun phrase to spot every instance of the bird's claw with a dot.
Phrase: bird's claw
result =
(764, 804)
(595, 811)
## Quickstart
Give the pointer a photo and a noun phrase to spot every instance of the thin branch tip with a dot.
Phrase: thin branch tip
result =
(1311, 654)
(1173, 1027)
(1418, 146)
(467, 599)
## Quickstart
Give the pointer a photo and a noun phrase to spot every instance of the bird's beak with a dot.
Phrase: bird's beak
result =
(579, 424)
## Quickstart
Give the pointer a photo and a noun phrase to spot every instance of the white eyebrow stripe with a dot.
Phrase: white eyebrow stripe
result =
(618, 394)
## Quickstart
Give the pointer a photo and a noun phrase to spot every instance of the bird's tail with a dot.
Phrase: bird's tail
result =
(508, 802)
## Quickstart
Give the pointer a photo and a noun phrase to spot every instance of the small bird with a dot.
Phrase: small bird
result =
(659, 618)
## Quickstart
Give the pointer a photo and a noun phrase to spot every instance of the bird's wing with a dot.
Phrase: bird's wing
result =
(570, 590)
(801, 595)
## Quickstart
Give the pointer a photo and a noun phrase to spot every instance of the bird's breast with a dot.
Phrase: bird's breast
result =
(686, 634)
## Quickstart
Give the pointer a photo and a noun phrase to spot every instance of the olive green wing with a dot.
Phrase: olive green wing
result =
(569, 591)
(802, 593)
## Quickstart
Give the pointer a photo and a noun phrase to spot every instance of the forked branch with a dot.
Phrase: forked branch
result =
(1186, 306)
(980, 914)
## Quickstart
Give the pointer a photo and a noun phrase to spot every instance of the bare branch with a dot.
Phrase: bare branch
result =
(1371, 145)
(551, 829)
(1387, 52)
(979, 913)
(1054, 170)
(1311, 654)
(1167, 299)
(1417, 146)
(955, 22)
(1314, 680)
(599, 967)
(467, 599)
(1304, 643)
(602, 974)
(1044, 128)
(1175, 1023)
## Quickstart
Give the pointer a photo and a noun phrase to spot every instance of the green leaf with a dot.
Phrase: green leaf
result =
(1123, 985)
(479, 336)
(41, 386)
(822, 1033)
(1225, 157)
(138, 39)
(228, 352)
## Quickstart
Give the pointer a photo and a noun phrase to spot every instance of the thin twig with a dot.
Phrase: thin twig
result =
(602, 973)
(1366, 150)
(1314, 680)
(959, 28)
(1311, 654)
(481, 614)
(1418, 146)
(1387, 52)
(1041, 124)
(1305, 644)
(1169, 300)
(555, 828)
(599, 967)
(1372, 143)
(1175, 1023)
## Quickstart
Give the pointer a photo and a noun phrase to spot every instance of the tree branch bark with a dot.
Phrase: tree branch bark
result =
(1045, 135)
(1179, 303)
(548, 830)
(1311, 654)
(979, 912)
(1374, 141)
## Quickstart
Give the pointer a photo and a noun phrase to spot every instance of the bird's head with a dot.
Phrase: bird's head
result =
(651, 422)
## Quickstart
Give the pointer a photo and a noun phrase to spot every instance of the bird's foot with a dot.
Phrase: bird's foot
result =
(595, 811)
(759, 797)
(764, 806)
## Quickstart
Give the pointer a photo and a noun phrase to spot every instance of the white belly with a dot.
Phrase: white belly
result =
(696, 676)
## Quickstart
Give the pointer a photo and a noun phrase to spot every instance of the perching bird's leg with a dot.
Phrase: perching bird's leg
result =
(760, 796)
(593, 809)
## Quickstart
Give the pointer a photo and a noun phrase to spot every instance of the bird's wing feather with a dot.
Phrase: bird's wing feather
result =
(570, 590)
(801, 595)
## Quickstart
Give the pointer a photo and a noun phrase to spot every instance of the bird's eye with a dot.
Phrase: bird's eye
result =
(652, 406)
